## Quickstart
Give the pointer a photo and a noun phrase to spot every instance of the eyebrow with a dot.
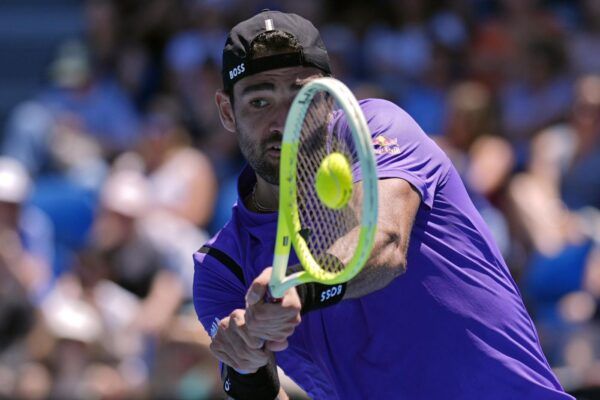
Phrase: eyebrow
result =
(258, 87)
(268, 86)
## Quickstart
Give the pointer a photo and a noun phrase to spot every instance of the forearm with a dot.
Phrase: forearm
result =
(386, 262)
(398, 205)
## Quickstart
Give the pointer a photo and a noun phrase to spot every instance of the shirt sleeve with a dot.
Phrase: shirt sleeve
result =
(217, 291)
(403, 150)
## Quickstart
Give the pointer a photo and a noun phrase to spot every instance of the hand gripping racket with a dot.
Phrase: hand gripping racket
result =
(324, 123)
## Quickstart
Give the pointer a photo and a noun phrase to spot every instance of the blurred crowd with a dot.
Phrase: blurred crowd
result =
(118, 169)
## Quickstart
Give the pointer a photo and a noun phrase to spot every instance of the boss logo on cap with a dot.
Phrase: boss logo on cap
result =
(235, 71)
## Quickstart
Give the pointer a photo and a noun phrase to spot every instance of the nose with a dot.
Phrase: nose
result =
(279, 116)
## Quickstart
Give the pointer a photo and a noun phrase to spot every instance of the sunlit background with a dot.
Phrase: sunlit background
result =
(114, 168)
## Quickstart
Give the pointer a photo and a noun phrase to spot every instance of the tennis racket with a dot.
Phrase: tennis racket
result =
(324, 118)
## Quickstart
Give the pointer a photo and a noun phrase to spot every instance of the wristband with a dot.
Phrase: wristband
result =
(260, 385)
(314, 296)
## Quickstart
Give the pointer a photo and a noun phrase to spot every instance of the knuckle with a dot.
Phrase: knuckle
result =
(237, 316)
(216, 352)
(287, 334)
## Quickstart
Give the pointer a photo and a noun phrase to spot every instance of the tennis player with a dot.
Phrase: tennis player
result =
(434, 314)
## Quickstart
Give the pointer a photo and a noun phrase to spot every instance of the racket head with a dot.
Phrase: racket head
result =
(324, 118)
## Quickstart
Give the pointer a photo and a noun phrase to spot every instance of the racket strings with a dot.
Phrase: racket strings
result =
(321, 225)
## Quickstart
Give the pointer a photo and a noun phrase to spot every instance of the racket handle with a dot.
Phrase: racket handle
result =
(269, 297)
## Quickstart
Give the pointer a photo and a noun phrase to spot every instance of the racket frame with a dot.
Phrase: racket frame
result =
(288, 223)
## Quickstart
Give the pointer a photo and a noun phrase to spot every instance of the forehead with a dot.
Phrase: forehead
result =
(281, 76)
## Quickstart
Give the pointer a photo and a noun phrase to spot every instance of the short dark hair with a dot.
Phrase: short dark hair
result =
(273, 42)
(270, 43)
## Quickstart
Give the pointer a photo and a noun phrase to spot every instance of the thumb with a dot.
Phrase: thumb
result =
(258, 288)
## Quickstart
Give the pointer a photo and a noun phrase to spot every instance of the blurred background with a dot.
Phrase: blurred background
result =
(114, 169)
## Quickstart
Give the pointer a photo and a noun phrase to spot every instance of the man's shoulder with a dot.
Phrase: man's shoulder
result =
(225, 240)
(383, 114)
(219, 254)
(377, 105)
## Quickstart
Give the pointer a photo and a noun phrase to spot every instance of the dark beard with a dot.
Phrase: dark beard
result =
(253, 153)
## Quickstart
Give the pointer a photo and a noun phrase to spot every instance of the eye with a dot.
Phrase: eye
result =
(259, 103)
(297, 86)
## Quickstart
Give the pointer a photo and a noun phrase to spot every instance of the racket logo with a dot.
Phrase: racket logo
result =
(307, 97)
(235, 71)
(331, 293)
(227, 385)
(383, 145)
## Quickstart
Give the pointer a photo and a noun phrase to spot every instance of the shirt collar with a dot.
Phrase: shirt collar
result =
(246, 182)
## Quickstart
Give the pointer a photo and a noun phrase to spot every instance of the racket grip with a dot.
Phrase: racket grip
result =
(269, 297)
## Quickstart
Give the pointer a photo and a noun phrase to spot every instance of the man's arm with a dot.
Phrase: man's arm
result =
(250, 370)
(217, 291)
(398, 206)
(233, 346)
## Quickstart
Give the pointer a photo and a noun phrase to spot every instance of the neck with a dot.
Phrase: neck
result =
(264, 197)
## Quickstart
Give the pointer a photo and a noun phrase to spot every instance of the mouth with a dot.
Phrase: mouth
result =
(274, 150)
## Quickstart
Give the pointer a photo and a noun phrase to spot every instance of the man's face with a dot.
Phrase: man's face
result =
(261, 105)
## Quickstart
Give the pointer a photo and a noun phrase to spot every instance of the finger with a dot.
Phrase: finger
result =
(291, 300)
(258, 288)
(233, 352)
(219, 353)
(252, 341)
(266, 328)
(280, 332)
(229, 343)
(273, 345)
(271, 313)
(240, 329)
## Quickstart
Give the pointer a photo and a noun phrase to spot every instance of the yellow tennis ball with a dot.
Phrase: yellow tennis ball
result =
(334, 181)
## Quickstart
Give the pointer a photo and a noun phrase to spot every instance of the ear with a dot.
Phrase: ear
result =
(225, 110)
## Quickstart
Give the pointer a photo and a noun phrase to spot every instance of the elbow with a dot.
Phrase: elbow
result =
(394, 263)
(394, 256)
(397, 266)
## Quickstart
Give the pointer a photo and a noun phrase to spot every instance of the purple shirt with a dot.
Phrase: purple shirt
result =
(453, 326)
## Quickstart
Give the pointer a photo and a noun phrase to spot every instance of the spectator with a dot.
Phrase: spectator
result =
(25, 275)
(484, 159)
(540, 95)
(489, 80)
(181, 177)
(585, 40)
(580, 186)
(78, 107)
(563, 257)
(26, 249)
(130, 258)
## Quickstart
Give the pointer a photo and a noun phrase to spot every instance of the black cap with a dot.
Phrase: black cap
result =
(238, 62)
